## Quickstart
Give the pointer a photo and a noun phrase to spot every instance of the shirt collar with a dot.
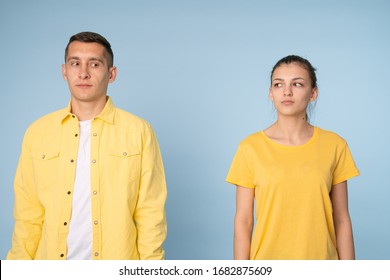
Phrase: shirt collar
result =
(107, 114)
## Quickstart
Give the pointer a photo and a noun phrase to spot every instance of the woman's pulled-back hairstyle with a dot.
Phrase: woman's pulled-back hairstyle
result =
(302, 62)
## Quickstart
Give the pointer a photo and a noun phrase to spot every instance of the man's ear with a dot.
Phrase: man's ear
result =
(64, 76)
(113, 72)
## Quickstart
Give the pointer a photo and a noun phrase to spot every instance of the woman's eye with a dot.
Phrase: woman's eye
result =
(298, 84)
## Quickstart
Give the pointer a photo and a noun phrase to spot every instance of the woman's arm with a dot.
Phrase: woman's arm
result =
(342, 221)
(243, 222)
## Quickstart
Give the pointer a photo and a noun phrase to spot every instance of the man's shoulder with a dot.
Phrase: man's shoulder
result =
(126, 118)
(49, 120)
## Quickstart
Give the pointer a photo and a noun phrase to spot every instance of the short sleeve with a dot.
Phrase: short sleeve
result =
(240, 172)
(345, 166)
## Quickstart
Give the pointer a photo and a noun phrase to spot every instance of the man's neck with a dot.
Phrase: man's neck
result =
(87, 110)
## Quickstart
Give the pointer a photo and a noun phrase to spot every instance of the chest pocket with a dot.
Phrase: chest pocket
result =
(125, 162)
(45, 165)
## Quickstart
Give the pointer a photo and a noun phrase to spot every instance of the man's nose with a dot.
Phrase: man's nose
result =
(84, 73)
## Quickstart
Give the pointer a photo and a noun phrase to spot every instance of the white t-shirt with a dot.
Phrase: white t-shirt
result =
(80, 228)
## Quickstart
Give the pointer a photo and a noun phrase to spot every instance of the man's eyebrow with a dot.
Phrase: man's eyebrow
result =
(96, 59)
(72, 58)
(89, 59)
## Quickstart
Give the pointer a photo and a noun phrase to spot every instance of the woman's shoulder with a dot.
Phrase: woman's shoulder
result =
(253, 139)
(329, 136)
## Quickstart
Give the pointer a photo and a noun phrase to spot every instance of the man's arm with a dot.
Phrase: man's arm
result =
(150, 211)
(28, 212)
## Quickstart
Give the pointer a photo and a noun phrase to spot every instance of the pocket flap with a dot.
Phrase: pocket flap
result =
(44, 155)
(125, 151)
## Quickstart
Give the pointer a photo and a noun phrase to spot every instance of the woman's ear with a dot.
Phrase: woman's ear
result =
(314, 94)
(270, 96)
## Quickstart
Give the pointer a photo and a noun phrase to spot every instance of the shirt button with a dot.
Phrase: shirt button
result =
(94, 161)
(62, 255)
(43, 156)
(65, 223)
(73, 116)
(69, 192)
(124, 154)
(95, 222)
(72, 160)
(95, 192)
(95, 134)
(76, 135)
(96, 254)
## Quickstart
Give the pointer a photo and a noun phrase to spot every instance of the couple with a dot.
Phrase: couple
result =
(90, 181)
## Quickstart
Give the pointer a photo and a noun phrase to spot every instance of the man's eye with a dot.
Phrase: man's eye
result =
(298, 84)
(94, 65)
(277, 85)
(74, 63)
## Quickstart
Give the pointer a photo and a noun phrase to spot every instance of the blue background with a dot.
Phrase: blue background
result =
(198, 71)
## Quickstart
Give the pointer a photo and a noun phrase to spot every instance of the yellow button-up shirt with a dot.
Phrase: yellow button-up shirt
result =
(128, 189)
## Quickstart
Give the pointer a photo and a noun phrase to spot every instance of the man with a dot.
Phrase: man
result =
(90, 182)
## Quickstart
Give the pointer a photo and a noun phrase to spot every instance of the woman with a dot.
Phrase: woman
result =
(298, 174)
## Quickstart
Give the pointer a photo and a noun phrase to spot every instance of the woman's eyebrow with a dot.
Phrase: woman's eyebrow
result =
(280, 79)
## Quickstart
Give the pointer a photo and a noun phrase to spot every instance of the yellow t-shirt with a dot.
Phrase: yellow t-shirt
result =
(292, 185)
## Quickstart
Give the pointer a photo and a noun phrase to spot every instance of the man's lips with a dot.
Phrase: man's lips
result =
(83, 85)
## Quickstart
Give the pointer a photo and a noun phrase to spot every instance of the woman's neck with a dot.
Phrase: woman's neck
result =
(290, 131)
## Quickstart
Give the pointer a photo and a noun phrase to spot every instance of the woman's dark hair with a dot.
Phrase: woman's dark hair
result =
(91, 37)
(302, 62)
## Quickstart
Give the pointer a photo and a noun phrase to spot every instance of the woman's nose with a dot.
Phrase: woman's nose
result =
(287, 91)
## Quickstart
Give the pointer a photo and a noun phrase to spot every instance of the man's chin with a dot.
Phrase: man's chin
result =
(88, 97)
